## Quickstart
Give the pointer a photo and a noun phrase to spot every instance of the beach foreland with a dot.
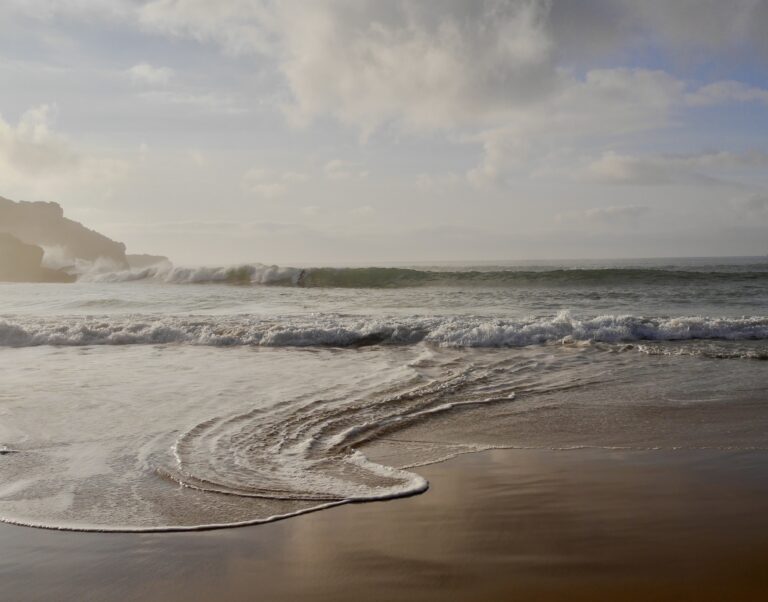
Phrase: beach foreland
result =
(587, 524)
(630, 401)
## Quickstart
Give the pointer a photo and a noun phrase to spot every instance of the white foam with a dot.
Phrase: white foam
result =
(331, 330)
(168, 273)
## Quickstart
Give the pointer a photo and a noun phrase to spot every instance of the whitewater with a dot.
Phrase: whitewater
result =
(177, 398)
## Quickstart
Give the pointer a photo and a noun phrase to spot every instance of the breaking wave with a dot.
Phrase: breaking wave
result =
(381, 277)
(348, 331)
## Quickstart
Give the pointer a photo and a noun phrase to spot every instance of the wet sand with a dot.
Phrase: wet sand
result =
(498, 525)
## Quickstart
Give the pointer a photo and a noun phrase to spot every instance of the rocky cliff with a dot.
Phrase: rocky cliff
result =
(44, 224)
(21, 262)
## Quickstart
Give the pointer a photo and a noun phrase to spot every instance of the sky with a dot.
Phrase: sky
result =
(349, 131)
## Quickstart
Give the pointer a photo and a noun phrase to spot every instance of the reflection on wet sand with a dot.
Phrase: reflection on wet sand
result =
(515, 524)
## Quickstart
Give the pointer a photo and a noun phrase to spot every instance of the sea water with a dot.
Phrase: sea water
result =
(186, 398)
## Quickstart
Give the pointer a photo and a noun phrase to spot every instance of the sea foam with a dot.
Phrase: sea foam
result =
(345, 331)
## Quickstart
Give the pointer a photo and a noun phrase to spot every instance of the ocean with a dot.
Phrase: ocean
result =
(175, 398)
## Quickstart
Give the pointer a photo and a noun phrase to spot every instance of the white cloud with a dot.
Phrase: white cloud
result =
(692, 30)
(244, 228)
(242, 26)
(311, 210)
(489, 65)
(344, 170)
(487, 69)
(444, 63)
(363, 210)
(38, 162)
(32, 147)
(211, 102)
(197, 157)
(605, 104)
(614, 168)
(146, 74)
(725, 92)
(239, 26)
(736, 25)
(422, 64)
(270, 184)
(753, 205)
(85, 9)
(515, 88)
(439, 183)
(612, 215)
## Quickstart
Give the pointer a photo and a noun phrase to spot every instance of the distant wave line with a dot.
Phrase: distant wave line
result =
(390, 277)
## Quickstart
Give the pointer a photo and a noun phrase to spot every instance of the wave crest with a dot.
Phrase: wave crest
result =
(381, 277)
(340, 331)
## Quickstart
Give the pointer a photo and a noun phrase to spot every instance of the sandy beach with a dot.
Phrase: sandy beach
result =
(498, 525)
(382, 301)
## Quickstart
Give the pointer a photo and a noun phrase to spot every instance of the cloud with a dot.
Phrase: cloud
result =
(363, 211)
(487, 92)
(612, 215)
(500, 74)
(603, 105)
(311, 210)
(32, 147)
(452, 64)
(753, 205)
(238, 26)
(614, 168)
(692, 30)
(36, 161)
(243, 228)
(724, 92)
(270, 184)
(197, 157)
(439, 183)
(146, 74)
(737, 26)
(606, 105)
(83, 9)
(211, 102)
(344, 170)
(597, 26)
(443, 63)
(424, 65)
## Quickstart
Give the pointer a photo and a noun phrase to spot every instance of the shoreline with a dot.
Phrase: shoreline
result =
(497, 524)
